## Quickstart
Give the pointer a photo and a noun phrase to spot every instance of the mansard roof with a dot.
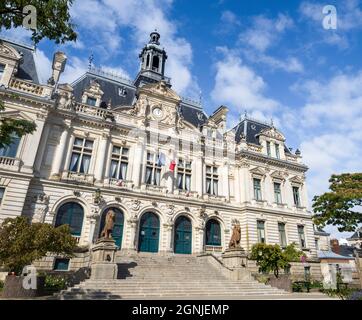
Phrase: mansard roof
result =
(357, 234)
(27, 68)
(251, 129)
(110, 85)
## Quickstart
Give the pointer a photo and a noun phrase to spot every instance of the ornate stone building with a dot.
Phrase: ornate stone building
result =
(176, 177)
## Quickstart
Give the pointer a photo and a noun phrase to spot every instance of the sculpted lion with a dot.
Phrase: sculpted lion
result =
(235, 238)
(109, 224)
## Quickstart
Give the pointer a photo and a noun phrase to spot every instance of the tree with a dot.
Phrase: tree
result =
(338, 206)
(53, 18)
(9, 126)
(22, 242)
(271, 258)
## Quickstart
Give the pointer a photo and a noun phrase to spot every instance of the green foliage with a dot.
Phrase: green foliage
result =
(21, 242)
(336, 207)
(271, 258)
(9, 126)
(53, 18)
(55, 283)
(1, 285)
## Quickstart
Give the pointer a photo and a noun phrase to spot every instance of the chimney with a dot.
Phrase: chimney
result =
(335, 246)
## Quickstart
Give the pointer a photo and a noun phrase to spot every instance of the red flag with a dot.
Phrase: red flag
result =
(172, 165)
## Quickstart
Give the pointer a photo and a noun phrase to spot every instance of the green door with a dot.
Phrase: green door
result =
(149, 233)
(117, 232)
(183, 235)
(213, 233)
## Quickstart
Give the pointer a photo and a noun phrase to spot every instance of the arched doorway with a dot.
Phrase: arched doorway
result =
(117, 232)
(213, 233)
(72, 214)
(183, 235)
(149, 233)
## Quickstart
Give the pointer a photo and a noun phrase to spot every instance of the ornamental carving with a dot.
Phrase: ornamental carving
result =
(40, 207)
(272, 133)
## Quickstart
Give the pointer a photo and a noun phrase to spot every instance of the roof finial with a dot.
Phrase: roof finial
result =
(272, 122)
(245, 114)
(90, 60)
(200, 97)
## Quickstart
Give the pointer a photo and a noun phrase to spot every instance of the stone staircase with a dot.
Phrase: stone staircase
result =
(155, 277)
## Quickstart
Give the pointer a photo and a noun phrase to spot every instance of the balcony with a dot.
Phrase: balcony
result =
(78, 178)
(30, 88)
(118, 184)
(11, 164)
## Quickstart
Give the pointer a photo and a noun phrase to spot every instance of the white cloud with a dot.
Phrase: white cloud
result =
(74, 69)
(43, 65)
(229, 17)
(103, 20)
(239, 86)
(265, 32)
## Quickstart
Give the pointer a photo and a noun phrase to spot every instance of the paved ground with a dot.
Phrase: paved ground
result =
(292, 296)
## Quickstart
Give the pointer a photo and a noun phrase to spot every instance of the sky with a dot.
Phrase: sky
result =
(273, 59)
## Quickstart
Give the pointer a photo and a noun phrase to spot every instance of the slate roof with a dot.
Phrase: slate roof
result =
(357, 234)
(331, 255)
(27, 69)
(193, 113)
(251, 128)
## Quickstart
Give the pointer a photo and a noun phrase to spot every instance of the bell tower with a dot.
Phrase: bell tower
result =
(153, 58)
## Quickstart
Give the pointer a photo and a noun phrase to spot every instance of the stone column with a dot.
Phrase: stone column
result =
(60, 152)
(138, 162)
(225, 181)
(199, 175)
(41, 150)
(167, 229)
(246, 182)
(101, 156)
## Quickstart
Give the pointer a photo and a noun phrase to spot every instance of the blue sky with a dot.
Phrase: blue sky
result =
(272, 58)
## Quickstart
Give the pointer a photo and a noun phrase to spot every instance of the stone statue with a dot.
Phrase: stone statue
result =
(109, 224)
(235, 238)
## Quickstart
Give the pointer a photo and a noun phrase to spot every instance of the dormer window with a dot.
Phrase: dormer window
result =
(268, 150)
(2, 69)
(122, 92)
(277, 154)
(91, 101)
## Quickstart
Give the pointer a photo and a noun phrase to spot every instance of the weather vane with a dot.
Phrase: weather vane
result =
(90, 60)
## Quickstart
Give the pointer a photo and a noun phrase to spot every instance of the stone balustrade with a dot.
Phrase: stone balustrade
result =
(8, 163)
(30, 88)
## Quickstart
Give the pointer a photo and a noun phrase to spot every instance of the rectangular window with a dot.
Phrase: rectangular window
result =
(61, 264)
(268, 150)
(81, 155)
(316, 244)
(277, 151)
(212, 180)
(257, 189)
(11, 150)
(184, 175)
(91, 101)
(277, 193)
(119, 163)
(261, 231)
(282, 235)
(2, 70)
(153, 169)
(301, 236)
(296, 196)
(2, 191)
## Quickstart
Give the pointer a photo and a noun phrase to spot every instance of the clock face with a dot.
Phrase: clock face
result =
(157, 112)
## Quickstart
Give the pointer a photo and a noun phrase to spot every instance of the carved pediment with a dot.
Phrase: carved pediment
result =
(94, 89)
(257, 171)
(7, 51)
(160, 89)
(272, 133)
(278, 175)
(15, 114)
(296, 180)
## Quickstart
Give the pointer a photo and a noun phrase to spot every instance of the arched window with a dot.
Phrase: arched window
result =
(213, 233)
(155, 63)
(117, 232)
(148, 61)
(71, 213)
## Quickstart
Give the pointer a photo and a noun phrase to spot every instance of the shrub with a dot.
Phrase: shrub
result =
(21, 242)
(271, 258)
(1, 285)
(55, 283)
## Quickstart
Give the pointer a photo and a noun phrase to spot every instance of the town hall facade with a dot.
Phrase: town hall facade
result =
(177, 178)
